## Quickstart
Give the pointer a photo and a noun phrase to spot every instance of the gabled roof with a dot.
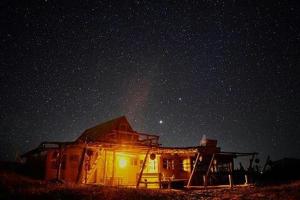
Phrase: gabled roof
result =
(98, 132)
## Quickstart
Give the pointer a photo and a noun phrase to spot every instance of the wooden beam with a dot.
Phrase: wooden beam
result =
(211, 161)
(143, 166)
(80, 168)
(193, 171)
(230, 180)
(246, 179)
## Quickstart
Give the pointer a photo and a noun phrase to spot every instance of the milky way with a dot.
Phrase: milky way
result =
(179, 69)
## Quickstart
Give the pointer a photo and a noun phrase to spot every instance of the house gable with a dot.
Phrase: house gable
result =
(103, 130)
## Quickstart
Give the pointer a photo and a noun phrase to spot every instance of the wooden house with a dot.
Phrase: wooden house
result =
(112, 153)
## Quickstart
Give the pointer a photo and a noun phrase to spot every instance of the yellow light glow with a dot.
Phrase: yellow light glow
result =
(186, 165)
(122, 162)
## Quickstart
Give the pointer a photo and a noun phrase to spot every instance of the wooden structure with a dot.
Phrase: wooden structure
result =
(113, 153)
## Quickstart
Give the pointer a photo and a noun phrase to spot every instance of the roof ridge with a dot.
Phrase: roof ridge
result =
(107, 122)
(102, 128)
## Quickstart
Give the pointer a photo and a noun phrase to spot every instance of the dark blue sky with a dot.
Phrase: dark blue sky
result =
(226, 69)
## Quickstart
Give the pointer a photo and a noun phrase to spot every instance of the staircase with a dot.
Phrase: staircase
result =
(151, 180)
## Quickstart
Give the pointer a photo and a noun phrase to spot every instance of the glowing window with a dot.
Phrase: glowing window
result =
(186, 165)
(168, 164)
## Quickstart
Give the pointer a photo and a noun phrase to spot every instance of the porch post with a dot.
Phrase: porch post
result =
(230, 180)
(113, 168)
(246, 179)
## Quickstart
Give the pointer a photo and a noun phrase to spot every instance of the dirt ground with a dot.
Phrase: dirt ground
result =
(13, 186)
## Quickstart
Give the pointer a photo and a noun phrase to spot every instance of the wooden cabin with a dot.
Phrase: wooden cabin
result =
(112, 153)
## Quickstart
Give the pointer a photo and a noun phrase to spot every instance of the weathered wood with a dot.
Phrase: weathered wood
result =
(80, 168)
(192, 174)
(207, 172)
(113, 168)
(230, 180)
(93, 168)
(246, 179)
(211, 161)
(142, 169)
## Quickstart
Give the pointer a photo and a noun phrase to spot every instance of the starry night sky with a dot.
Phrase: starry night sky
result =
(179, 69)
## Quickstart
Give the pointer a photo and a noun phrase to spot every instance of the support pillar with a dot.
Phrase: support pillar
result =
(246, 179)
(230, 180)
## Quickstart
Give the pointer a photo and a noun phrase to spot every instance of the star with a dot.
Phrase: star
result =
(198, 79)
